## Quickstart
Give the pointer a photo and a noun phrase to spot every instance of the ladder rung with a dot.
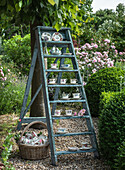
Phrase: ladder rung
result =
(78, 151)
(65, 85)
(59, 56)
(73, 134)
(67, 101)
(52, 70)
(69, 117)
(57, 42)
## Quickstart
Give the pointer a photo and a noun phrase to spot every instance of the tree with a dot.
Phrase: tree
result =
(56, 13)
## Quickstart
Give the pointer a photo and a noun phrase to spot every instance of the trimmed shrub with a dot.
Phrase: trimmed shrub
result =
(108, 79)
(18, 50)
(111, 124)
(120, 159)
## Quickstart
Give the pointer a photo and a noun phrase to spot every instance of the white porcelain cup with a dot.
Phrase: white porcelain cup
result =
(65, 96)
(65, 65)
(73, 81)
(68, 112)
(63, 81)
(76, 95)
(51, 81)
(53, 65)
(84, 144)
(57, 112)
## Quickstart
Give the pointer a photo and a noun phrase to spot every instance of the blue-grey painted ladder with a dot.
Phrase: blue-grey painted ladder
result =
(38, 50)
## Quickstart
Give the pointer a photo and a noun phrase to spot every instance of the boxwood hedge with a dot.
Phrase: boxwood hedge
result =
(111, 124)
(108, 79)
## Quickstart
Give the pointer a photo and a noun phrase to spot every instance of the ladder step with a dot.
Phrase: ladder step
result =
(78, 151)
(67, 101)
(73, 134)
(59, 56)
(57, 42)
(52, 70)
(65, 85)
(69, 117)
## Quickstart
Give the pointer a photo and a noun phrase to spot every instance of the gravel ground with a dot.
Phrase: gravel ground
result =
(83, 161)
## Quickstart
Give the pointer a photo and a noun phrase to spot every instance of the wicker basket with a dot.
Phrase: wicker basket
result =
(33, 152)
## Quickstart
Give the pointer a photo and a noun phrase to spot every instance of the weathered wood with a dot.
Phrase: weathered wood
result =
(67, 42)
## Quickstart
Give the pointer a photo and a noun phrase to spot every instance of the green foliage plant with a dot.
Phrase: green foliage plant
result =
(8, 143)
(120, 158)
(108, 79)
(111, 124)
(11, 96)
(18, 50)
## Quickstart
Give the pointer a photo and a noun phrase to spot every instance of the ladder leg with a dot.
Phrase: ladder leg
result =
(28, 86)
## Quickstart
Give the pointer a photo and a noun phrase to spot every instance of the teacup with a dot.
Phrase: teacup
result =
(52, 81)
(63, 81)
(68, 112)
(54, 65)
(65, 65)
(73, 81)
(76, 95)
(84, 144)
(57, 112)
(65, 96)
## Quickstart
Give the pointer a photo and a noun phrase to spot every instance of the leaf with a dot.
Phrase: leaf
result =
(52, 2)
(20, 4)
(57, 26)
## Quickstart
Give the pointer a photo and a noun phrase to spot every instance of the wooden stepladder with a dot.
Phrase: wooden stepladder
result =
(64, 45)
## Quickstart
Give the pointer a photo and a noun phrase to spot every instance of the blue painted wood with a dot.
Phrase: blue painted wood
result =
(32, 100)
(65, 85)
(46, 95)
(88, 121)
(73, 134)
(67, 101)
(67, 42)
(31, 119)
(52, 70)
(22, 114)
(71, 152)
(50, 28)
(70, 117)
(59, 56)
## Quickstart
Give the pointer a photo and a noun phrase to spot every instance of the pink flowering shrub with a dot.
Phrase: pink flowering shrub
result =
(121, 57)
(95, 56)
(4, 74)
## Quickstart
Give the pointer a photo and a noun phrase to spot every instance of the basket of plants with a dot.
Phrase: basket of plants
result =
(33, 145)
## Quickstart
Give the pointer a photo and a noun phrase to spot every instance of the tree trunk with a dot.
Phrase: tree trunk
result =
(37, 108)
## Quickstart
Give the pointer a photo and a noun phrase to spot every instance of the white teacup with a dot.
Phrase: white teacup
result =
(68, 112)
(65, 65)
(54, 65)
(73, 81)
(52, 81)
(85, 144)
(76, 95)
(63, 81)
(65, 96)
(57, 112)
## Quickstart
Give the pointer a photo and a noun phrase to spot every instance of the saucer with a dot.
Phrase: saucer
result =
(65, 98)
(85, 148)
(61, 132)
(67, 53)
(72, 149)
(51, 83)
